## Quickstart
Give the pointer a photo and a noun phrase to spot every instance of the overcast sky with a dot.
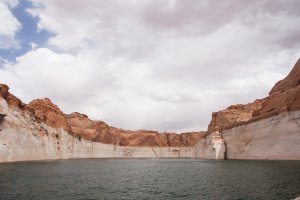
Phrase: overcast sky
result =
(147, 64)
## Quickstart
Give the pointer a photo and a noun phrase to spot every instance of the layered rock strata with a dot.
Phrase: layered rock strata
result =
(24, 137)
(40, 130)
(98, 131)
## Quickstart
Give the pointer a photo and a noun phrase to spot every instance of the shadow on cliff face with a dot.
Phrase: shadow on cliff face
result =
(2, 118)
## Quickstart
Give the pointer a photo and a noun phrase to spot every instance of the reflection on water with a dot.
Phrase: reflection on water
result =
(150, 179)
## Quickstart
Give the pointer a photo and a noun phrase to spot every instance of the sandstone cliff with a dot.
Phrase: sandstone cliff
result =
(10, 98)
(284, 96)
(23, 138)
(80, 126)
(273, 138)
(292, 80)
(98, 131)
(44, 110)
(268, 128)
(234, 115)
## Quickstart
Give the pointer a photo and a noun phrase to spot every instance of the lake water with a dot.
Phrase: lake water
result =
(150, 179)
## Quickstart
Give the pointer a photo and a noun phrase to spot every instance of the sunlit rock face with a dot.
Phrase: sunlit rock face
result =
(45, 111)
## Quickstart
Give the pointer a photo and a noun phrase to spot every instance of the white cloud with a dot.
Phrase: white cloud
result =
(34, 46)
(10, 3)
(162, 65)
(9, 25)
(63, 77)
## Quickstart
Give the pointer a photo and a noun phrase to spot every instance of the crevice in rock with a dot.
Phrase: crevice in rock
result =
(2, 116)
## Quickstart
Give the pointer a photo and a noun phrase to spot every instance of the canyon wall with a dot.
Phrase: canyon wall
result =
(268, 128)
(98, 131)
(273, 138)
(40, 131)
(23, 138)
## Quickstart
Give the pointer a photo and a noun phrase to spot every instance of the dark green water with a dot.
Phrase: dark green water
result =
(150, 179)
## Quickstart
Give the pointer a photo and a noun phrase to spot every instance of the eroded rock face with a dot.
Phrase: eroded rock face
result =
(290, 81)
(82, 126)
(233, 115)
(10, 98)
(273, 138)
(23, 138)
(3, 90)
(2, 118)
(284, 97)
(44, 110)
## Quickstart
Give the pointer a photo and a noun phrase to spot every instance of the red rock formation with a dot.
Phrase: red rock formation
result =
(10, 98)
(4, 90)
(234, 115)
(44, 110)
(284, 96)
(290, 81)
(83, 127)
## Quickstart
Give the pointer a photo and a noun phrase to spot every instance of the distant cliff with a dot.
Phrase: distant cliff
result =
(99, 131)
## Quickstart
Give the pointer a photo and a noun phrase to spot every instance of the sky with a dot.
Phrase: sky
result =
(161, 65)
